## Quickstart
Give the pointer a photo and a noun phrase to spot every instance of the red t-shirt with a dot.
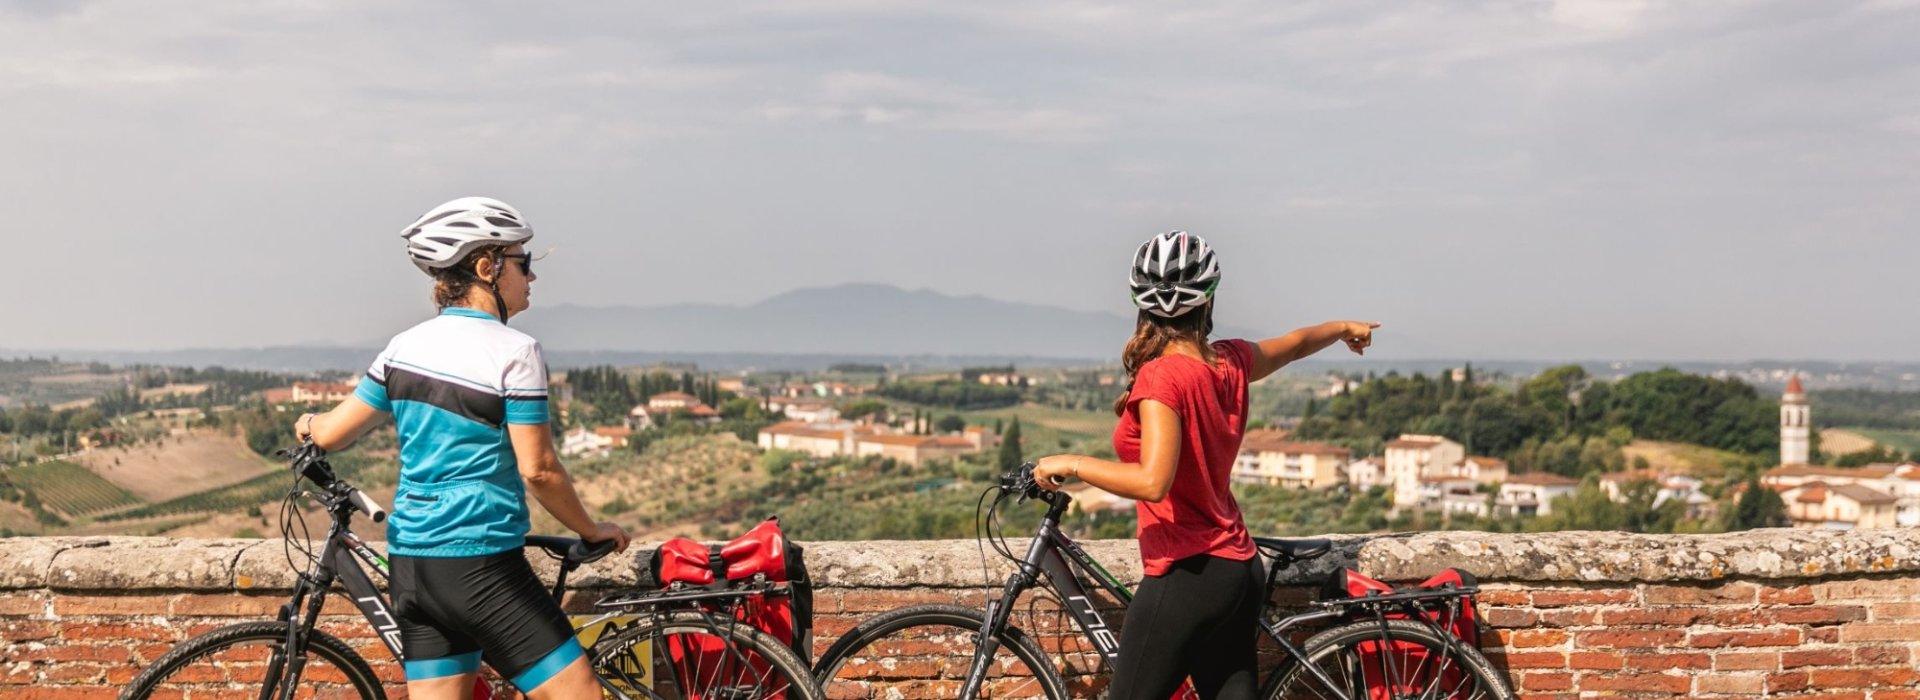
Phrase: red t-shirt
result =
(1199, 515)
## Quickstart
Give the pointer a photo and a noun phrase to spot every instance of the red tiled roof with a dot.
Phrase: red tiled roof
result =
(1413, 443)
(901, 440)
(1258, 440)
(1863, 495)
(674, 396)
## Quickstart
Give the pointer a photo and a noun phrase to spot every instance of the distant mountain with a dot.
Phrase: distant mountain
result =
(863, 319)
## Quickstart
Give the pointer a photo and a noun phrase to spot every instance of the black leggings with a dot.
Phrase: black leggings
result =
(1201, 619)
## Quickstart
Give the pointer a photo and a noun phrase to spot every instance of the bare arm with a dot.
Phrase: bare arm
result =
(1273, 353)
(339, 428)
(549, 483)
(1147, 480)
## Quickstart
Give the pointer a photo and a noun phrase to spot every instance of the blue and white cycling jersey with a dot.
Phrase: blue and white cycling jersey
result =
(453, 384)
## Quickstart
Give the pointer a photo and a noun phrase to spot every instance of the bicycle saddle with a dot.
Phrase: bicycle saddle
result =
(1293, 550)
(571, 552)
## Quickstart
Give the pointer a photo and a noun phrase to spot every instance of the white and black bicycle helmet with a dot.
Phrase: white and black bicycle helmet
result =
(447, 233)
(1173, 273)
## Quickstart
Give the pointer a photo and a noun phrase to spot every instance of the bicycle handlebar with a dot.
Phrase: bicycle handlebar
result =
(310, 461)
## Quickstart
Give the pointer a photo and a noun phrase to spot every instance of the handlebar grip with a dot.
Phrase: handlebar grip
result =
(367, 505)
(586, 552)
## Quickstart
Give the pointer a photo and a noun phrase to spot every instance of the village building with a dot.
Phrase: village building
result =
(1268, 458)
(1817, 504)
(1411, 457)
(1528, 495)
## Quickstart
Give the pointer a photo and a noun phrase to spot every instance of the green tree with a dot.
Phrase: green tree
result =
(1010, 455)
(951, 423)
(1758, 506)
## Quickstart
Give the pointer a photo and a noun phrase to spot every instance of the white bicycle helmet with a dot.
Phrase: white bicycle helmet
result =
(1173, 273)
(447, 233)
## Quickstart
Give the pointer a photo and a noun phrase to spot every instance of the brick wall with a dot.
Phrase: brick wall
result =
(1762, 614)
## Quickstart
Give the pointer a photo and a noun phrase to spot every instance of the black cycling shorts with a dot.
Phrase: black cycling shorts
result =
(454, 612)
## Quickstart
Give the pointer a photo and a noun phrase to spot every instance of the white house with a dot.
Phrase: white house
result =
(1414, 456)
(1364, 474)
(1821, 505)
(1532, 494)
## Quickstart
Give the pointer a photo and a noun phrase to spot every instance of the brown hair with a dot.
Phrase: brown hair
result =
(450, 284)
(1151, 336)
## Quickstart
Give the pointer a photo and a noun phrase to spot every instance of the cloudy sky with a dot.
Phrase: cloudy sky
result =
(1518, 179)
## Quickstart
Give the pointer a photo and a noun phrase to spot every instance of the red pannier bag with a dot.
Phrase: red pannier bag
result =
(1412, 666)
(762, 554)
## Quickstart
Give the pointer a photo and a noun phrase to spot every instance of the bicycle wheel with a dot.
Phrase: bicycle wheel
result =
(924, 651)
(693, 656)
(241, 660)
(1406, 661)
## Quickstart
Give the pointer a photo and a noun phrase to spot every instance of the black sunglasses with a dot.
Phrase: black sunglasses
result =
(526, 262)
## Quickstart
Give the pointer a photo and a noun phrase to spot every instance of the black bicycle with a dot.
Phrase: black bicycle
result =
(1381, 647)
(685, 644)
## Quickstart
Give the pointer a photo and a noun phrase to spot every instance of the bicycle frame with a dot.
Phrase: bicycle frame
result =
(1045, 560)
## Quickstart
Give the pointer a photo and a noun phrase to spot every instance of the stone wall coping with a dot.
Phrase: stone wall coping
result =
(106, 564)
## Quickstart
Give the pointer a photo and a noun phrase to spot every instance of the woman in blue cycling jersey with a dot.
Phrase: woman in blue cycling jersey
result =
(468, 397)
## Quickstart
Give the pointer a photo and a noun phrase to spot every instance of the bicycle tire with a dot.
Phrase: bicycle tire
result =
(1429, 664)
(181, 668)
(753, 665)
(867, 661)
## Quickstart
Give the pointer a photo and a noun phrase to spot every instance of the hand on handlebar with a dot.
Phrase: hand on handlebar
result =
(1051, 473)
(607, 531)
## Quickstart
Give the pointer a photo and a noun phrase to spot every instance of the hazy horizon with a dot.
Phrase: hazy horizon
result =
(1548, 180)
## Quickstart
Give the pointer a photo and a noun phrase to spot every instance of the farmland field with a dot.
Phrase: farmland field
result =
(1902, 440)
(177, 466)
(70, 488)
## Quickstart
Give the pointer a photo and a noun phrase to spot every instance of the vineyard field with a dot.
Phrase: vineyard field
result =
(69, 488)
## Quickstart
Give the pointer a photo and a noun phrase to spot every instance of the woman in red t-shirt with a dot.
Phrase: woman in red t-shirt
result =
(1180, 426)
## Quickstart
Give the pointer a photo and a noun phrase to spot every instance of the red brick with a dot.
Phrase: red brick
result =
(1857, 589)
(1595, 660)
(1786, 681)
(1746, 661)
(1818, 614)
(1636, 682)
(1823, 635)
(1731, 684)
(1895, 612)
(48, 693)
(1734, 617)
(1537, 659)
(1552, 680)
(27, 631)
(83, 605)
(1839, 678)
(74, 673)
(1664, 617)
(1748, 638)
(1666, 662)
(1510, 617)
(1874, 655)
(22, 604)
(1732, 593)
(864, 602)
(1815, 657)
(1512, 598)
(1631, 639)
(1792, 595)
(1899, 677)
(1875, 632)
(1570, 618)
(1896, 695)
(1563, 598)
(228, 605)
(112, 631)
(71, 652)
(1537, 638)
